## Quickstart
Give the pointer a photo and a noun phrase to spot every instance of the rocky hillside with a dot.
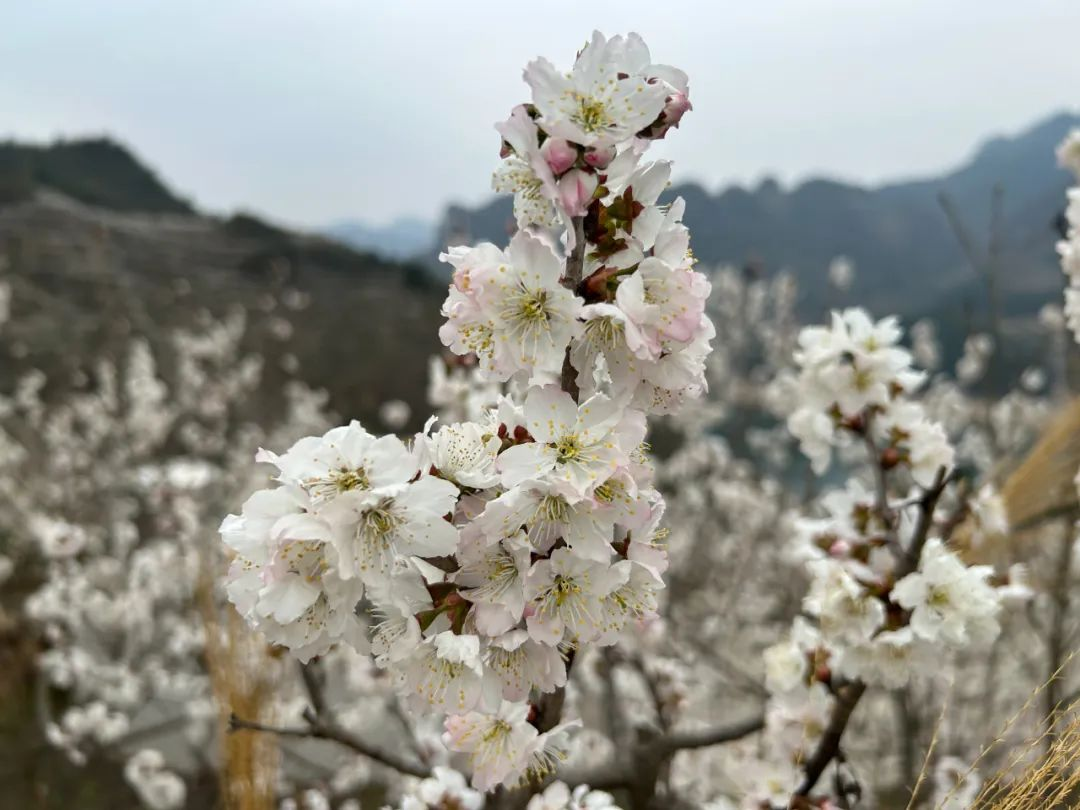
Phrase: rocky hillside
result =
(93, 260)
(908, 255)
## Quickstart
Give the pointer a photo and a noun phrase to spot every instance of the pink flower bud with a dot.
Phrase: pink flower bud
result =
(559, 154)
(600, 156)
(576, 189)
(840, 548)
(677, 106)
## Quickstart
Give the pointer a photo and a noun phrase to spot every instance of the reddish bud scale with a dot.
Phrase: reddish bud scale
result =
(597, 287)
(822, 673)
(856, 423)
(890, 457)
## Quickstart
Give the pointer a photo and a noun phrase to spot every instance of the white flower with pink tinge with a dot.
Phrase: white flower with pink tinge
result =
(599, 102)
(446, 674)
(497, 743)
(511, 310)
(949, 601)
(373, 529)
(667, 304)
(492, 578)
(342, 460)
(464, 453)
(523, 665)
(564, 593)
(548, 515)
(577, 446)
(284, 578)
(527, 173)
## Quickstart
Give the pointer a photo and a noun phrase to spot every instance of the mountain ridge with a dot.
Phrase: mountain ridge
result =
(897, 232)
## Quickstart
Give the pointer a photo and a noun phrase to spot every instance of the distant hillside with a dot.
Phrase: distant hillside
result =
(97, 172)
(908, 258)
(98, 250)
(405, 238)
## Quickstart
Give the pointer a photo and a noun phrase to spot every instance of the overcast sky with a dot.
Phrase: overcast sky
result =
(318, 110)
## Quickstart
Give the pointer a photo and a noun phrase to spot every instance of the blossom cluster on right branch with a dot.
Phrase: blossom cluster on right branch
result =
(889, 597)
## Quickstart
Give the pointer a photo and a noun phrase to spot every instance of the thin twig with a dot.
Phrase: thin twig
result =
(313, 685)
(321, 730)
(687, 740)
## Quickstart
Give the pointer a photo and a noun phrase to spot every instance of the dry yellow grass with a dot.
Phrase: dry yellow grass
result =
(1040, 773)
(1043, 485)
(244, 673)
(1050, 779)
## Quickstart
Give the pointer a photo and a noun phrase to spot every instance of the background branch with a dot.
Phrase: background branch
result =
(319, 729)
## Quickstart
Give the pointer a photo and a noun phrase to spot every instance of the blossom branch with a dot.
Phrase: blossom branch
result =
(649, 754)
(324, 730)
(688, 740)
(313, 685)
(849, 695)
(575, 267)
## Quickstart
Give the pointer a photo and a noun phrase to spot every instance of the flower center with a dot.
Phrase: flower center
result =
(568, 448)
(938, 598)
(532, 305)
(605, 332)
(378, 521)
(336, 482)
(553, 509)
(563, 589)
(591, 114)
(346, 480)
(500, 728)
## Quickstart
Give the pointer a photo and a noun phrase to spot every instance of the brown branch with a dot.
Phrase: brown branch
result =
(549, 709)
(314, 686)
(848, 696)
(651, 752)
(687, 740)
(829, 746)
(322, 730)
(654, 691)
(575, 267)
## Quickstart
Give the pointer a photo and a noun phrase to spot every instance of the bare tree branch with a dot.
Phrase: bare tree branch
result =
(849, 695)
(322, 730)
(686, 740)
(314, 686)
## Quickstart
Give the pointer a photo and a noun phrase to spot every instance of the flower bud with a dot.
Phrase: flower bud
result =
(559, 154)
(840, 548)
(890, 457)
(599, 156)
(576, 189)
(676, 107)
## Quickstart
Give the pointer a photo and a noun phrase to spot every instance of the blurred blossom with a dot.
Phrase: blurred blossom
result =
(395, 414)
(1033, 379)
(841, 273)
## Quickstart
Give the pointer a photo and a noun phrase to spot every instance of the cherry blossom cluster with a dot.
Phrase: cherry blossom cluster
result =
(889, 598)
(632, 319)
(1069, 248)
(447, 788)
(854, 384)
(489, 550)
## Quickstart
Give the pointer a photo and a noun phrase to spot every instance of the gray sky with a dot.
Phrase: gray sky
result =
(327, 109)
